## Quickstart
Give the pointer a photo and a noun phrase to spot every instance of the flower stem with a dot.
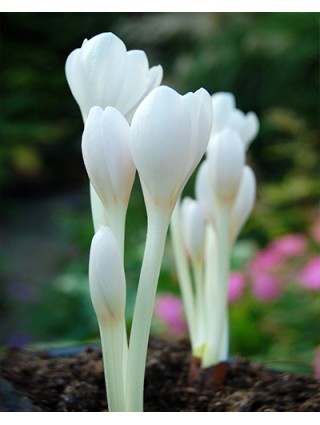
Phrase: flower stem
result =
(158, 222)
(112, 340)
(183, 272)
(218, 291)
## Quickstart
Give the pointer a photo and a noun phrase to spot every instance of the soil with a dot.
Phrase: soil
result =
(42, 381)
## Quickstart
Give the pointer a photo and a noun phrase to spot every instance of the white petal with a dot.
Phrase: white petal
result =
(244, 203)
(226, 156)
(200, 108)
(104, 58)
(106, 277)
(138, 82)
(251, 128)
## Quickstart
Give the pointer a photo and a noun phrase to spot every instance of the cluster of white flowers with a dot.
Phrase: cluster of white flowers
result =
(207, 227)
(132, 123)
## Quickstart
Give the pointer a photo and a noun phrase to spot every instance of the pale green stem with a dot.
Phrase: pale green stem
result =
(197, 269)
(112, 338)
(158, 222)
(223, 217)
(218, 318)
(183, 273)
(211, 289)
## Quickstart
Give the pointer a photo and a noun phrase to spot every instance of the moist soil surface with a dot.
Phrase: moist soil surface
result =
(47, 382)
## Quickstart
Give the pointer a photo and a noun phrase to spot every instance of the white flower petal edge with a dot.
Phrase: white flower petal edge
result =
(244, 202)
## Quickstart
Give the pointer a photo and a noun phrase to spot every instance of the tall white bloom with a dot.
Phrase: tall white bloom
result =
(103, 73)
(170, 133)
(169, 136)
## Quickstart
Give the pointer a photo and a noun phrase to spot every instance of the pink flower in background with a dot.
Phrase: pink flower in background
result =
(310, 275)
(316, 363)
(265, 261)
(169, 309)
(266, 287)
(289, 245)
(236, 286)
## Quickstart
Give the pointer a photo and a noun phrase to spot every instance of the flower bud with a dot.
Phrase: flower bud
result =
(107, 155)
(106, 277)
(193, 227)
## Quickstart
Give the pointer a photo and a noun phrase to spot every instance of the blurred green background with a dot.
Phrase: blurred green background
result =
(269, 61)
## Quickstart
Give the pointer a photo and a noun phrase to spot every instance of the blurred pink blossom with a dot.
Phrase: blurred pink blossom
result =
(310, 275)
(316, 363)
(169, 309)
(266, 287)
(265, 261)
(289, 245)
(236, 286)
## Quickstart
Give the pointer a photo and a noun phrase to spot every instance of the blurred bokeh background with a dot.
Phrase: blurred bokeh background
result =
(270, 62)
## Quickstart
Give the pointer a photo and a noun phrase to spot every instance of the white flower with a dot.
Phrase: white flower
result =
(226, 115)
(107, 155)
(106, 277)
(103, 73)
(170, 133)
(193, 227)
(226, 156)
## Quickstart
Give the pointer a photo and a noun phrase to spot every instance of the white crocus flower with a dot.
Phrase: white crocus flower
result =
(225, 188)
(107, 157)
(226, 115)
(169, 136)
(108, 293)
(103, 73)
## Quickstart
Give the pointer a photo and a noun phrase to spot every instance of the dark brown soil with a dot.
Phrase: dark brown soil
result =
(32, 381)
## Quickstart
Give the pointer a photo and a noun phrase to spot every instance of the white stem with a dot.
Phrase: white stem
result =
(211, 290)
(112, 340)
(197, 269)
(223, 272)
(183, 273)
(218, 323)
(158, 222)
